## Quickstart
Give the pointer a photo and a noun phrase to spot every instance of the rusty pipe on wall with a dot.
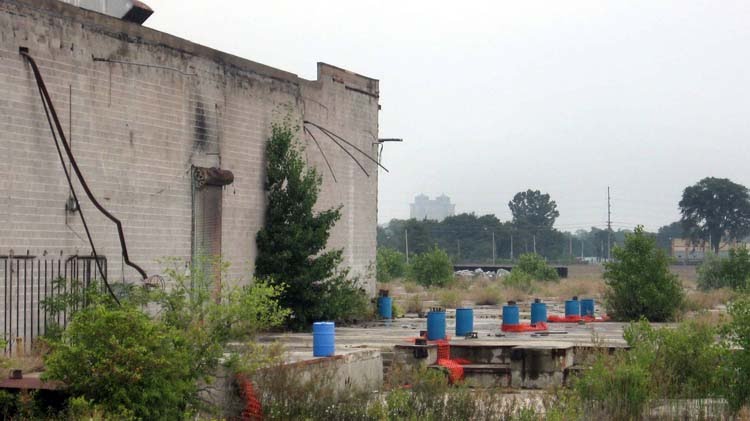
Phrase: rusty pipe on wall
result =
(47, 101)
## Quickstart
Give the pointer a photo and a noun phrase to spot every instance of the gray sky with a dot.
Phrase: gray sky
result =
(494, 97)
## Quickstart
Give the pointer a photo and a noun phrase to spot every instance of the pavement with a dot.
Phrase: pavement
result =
(384, 335)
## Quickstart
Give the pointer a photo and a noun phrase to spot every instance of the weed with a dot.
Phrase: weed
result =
(450, 298)
(414, 304)
(709, 299)
(519, 280)
(490, 295)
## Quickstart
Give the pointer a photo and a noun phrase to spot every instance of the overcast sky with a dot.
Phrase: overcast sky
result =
(495, 97)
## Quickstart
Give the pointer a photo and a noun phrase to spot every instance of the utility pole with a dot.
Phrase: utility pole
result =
(493, 247)
(406, 241)
(511, 247)
(609, 225)
(570, 246)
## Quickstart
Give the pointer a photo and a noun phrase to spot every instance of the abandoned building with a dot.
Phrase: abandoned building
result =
(169, 137)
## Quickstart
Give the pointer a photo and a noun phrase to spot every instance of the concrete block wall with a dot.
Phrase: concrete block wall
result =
(139, 116)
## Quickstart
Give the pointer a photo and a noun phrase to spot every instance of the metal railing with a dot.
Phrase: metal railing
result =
(29, 280)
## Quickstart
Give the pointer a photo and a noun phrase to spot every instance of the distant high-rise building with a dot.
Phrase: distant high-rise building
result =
(436, 209)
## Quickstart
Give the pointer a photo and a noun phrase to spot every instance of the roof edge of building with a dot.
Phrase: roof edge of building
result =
(133, 32)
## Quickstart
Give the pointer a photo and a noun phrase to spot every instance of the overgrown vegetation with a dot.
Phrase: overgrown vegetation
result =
(661, 364)
(390, 264)
(537, 267)
(519, 280)
(413, 394)
(639, 283)
(291, 244)
(737, 334)
(125, 363)
(432, 268)
(732, 272)
(128, 364)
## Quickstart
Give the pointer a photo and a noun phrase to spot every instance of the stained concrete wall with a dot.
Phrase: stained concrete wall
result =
(140, 120)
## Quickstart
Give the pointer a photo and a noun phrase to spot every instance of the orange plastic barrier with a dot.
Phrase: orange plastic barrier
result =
(444, 349)
(523, 327)
(252, 410)
(576, 319)
(455, 370)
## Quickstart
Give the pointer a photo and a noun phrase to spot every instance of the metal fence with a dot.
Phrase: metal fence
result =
(29, 280)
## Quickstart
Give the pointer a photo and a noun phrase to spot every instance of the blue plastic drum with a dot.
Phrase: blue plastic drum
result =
(464, 321)
(572, 307)
(587, 307)
(385, 307)
(324, 339)
(538, 312)
(436, 325)
(511, 315)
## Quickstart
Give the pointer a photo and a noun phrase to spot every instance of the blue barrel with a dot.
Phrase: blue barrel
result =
(385, 307)
(464, 321)
(511, 314)
(538, 312)
(324, 339)
(587, 307)
(436, 325)
(572, 307)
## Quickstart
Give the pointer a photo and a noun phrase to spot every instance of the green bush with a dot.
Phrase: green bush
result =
(662, 364)
(537, 267)
(737, 333)
(390, 264)
(120, 363)
(639, 283)
(614, 388)
(732, 272)
(682, 362)
(432, 268)
(710, 274)
(519, 279)
(122, 360)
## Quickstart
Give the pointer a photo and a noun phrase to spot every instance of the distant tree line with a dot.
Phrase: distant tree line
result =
(712, 210)
(467, 238)
(477, 239)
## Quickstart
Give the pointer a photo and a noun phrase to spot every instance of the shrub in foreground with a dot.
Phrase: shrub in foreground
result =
(674, 364)
(639, 283)
(737, 333)
(124, 361)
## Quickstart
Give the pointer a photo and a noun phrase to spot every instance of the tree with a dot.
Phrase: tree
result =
(291, 244)
(639, 283)
(714, 209)
(533, 210)
(390, 264)
(432, 268)
(668, 232)
(534, 215)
